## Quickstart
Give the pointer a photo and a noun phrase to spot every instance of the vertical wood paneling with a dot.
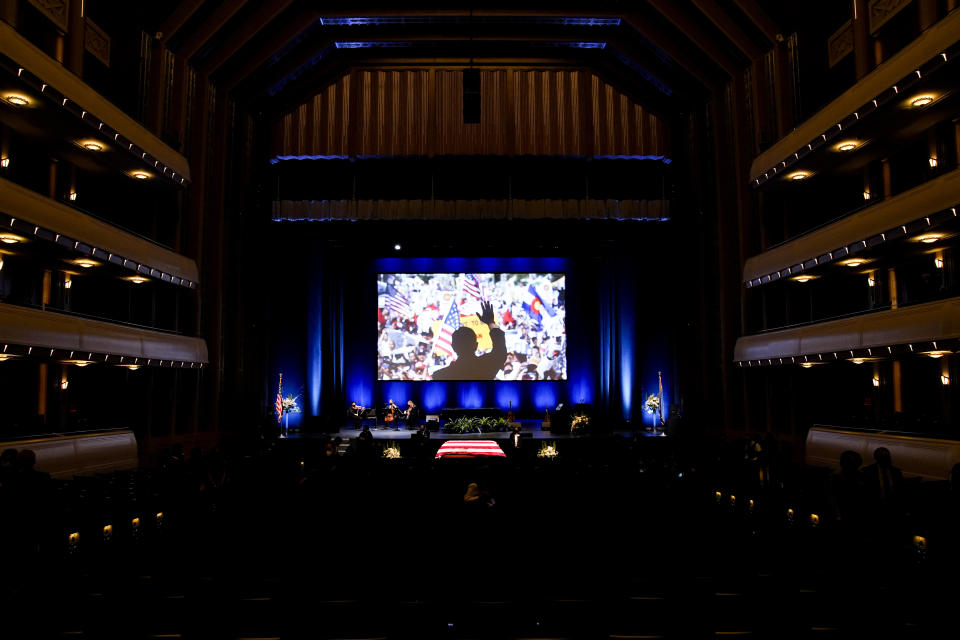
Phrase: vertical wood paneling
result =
(420, 112)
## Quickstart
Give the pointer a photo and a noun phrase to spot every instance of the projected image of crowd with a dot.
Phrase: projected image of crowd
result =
(417, 315)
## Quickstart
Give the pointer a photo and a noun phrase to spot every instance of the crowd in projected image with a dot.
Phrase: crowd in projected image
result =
(423, 321)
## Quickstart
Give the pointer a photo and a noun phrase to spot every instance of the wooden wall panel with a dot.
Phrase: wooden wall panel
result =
(523, 112)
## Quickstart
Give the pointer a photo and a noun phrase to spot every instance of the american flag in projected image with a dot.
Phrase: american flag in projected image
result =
(471, 287)
(398, 303)
(444, 341)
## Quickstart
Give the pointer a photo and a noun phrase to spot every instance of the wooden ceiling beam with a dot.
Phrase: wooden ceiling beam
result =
(263, 53)
(725, 23)
(209, 27)
(761, 20)
(693, 31)
(257, 21)
(669, 46)
(181, 13)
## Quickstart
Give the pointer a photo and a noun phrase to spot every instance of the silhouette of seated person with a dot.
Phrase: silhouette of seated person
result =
(883, 480)
(468, 365)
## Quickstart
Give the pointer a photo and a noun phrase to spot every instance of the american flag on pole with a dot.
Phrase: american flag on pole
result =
(278, 405)
(443, 343)
(660, 397)
(397, 302)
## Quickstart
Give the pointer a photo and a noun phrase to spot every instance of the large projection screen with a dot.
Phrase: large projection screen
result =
(429, 327)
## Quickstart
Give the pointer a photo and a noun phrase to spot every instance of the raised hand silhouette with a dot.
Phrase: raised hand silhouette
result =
(468, 365)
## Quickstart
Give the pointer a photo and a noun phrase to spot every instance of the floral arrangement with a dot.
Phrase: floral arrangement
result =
(548, 450)
(652, 404)
(391, 451)
(289, 404)
(580, 423)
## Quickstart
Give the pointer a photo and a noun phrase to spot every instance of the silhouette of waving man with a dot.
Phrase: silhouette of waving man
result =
(468, 365)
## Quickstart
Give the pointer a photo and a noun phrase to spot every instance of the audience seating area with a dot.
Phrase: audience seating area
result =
(615, 538)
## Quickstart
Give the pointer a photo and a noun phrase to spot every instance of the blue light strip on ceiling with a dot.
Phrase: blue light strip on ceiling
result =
(389, 44)
(372, 45)
(278, 159)
(649, 77)
(357, 21)
(299, 71)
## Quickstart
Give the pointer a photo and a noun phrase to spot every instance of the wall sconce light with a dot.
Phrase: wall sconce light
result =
(866, 195)
(876, 381)
(64, 384)
(933, 162)
(718, 496)
(733, 500)
(1, 262)
(814, 520)
(945, 380)
(791, 517)
(67, 281)
(72, 196)
(938, 261)
(159, 519)
(73, 541)
(107, 532)
(4, 162)
(871, 281)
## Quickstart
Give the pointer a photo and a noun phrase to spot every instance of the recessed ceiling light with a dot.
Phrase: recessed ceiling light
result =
(798, 175)
(854, 262)
(16, 99)
(86, 263)
(804, 278)
(11, 238)
(846, 145)
(137, 279)
(929, 238)
(922, 101)
(90, 145)
(141, 175)
(939, 353)
(808, 365)
(132, 367)
(78, 363)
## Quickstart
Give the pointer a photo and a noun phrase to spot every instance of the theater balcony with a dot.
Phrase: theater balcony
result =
(28, 215)
(44, 98)
(929, 329)
(919, 79)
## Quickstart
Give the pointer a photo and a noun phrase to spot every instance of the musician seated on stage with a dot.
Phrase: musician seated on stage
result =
(391, 413)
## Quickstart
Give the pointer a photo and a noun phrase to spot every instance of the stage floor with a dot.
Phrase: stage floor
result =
(529, 428)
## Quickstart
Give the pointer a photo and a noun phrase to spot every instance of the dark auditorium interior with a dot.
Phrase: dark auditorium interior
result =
(701, 427)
